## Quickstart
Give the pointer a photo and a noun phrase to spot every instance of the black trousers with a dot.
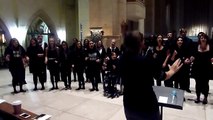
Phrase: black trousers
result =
(66, 77)
(81, 82)
(37, 75)
(202, 86)
(94, 75)
(186, 77)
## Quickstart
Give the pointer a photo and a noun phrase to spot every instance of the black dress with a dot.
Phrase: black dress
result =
(202, 70)
(16, 65)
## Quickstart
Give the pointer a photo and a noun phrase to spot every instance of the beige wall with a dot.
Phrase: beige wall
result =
(17, 15)
(108, 14)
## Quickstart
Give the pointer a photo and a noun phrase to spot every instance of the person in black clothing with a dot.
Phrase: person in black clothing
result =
(113, 48)
(188, 49)
(113, 68)
(16, 55)
(65, 65)
(93, 60)
(160, 56)
(52, 61)
(140, 102)
(102, 51)
(79, 64)
(41, 56)
(85, 48)
(34, 52)
(72, 48)
(202, 67)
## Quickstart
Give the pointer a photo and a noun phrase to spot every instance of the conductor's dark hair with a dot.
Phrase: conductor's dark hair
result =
(132, 42)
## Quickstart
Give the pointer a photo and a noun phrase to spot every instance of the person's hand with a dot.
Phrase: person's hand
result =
(164, 65)
(154, 55)
(104, 68)
(192, 58)
(86, 58)
(7, 58)
(173, 55)
(27, 59)
(187, 61)
(46, 60)
(98, 60)
(174, 68)
(113, 66)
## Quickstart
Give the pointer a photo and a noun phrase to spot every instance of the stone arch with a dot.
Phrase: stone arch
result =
(5, 29)
(45, 17)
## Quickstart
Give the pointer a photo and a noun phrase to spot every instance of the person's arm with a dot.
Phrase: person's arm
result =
(166, 60)
(46, 59)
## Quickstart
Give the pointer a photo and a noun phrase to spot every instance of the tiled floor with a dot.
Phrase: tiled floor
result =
(86, 105)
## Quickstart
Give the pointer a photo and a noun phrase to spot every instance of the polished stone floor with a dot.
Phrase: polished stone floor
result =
(86, 105)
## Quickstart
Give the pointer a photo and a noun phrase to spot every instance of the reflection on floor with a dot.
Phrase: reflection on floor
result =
(86, 105)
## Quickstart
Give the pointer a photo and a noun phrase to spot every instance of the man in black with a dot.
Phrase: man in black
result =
(188, 49)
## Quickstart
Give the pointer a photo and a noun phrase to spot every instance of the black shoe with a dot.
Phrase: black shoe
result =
(51, 89)
(83, 88)
(92, 89)
(197, 101)
(56, 87)
(205, 101)
(43, 88)
(14, 92)
(22, 90)
(188, 90)
(97, 89)
(35, 89)
(78, 88)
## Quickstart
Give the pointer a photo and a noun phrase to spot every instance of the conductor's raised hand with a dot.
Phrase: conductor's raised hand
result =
(173, 68)
(176, 65)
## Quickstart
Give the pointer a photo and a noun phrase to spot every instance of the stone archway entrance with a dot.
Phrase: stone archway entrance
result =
(38, 27)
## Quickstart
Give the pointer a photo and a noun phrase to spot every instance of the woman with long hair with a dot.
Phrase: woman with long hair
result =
(16, 56)
(202, 67)
(34, 51)
(52, 61)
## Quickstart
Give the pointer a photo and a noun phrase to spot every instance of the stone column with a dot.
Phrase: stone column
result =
(83, 19)
(150, 17)
(141, 25)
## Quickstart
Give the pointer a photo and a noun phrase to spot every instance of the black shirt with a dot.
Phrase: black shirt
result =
(137, 73)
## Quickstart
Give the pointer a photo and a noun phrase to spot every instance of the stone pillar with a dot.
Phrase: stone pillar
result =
(71, 20)
(150, 17)
(141, 25)
(83, 19)
(121, 13)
